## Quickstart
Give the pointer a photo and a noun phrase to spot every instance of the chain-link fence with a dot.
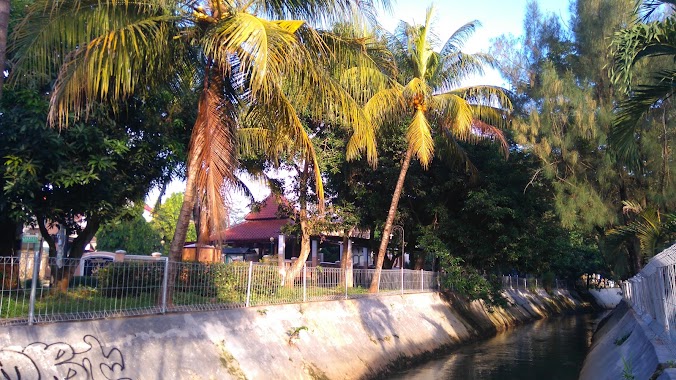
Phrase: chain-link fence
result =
(57, 290)
(652, 292)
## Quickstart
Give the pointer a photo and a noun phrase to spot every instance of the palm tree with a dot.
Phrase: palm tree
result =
(428, 97)
(646, 39)
(239, 52)
(649, 226)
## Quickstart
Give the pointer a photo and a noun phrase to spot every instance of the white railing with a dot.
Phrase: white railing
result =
(652, 292)
(157, 286)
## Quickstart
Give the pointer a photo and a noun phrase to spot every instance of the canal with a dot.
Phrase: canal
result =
(553, 349)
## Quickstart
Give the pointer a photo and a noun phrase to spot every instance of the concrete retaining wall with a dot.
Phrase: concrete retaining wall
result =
(626, 347)
(350, 339)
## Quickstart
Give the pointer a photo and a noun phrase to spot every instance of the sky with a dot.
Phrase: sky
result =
(497, 17)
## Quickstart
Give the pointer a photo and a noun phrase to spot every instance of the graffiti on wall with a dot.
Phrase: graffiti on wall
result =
(87, 360)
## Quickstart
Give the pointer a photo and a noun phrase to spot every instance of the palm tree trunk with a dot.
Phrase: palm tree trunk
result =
(293, 271)
(346, 260)
(391, 214)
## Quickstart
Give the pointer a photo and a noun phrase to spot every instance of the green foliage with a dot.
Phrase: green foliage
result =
(165, 218)
(130, 279)
(213, 280)
(93, 168)
(566, 103)
(134, 235)
(459, 277)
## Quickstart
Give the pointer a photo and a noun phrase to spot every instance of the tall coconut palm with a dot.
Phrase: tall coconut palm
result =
(429, 99)
(239, 52)
(646, 39)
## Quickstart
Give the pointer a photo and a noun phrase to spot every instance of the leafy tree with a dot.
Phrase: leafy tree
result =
(89, 171)
(566, 103)
(129, 232)
(428, 97)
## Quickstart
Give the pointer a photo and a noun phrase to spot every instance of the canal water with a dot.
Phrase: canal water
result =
(552, 349)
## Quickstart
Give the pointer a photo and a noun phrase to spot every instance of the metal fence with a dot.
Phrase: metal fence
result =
(53, 290)
(652, 292)
(530, 283)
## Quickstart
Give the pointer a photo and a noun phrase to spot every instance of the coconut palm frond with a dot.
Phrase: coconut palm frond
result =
(259, 47)
(491, 96)
(452, 112)
(622, 135)
(280, 116)
(452, 151)
(320, 12)
(650, 227)
(419, 136)
(486, 131)
(458, 39)
(385, 106)
(641, 41)
(106, 62)
(253, 142)
(453, 69)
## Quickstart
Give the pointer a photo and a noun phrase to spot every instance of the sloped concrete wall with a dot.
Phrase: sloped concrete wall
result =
(607, 298)
(349, 339)
(625, 346)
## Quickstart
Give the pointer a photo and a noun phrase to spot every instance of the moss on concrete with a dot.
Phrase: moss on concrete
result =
(230, 363)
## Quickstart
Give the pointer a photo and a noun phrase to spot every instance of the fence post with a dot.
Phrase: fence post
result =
(422, 280)
(402, 279)
(34, 286)
(248, 284)
(305, 282)
(659, 277)
(165, 283)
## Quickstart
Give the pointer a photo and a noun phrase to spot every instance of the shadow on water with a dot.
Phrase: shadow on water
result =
(553, 348)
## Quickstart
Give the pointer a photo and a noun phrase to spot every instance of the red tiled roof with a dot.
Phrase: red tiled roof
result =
(269, 208)
(253, 230)
(258, 225)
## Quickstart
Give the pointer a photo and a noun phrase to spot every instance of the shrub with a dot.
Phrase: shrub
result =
(215, 280)
(130, 278)
(88, 281)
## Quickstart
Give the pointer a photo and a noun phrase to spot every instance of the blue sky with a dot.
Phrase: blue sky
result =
(496, 16)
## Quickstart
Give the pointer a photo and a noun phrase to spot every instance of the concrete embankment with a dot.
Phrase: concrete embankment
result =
(351, 339)
(627, 347)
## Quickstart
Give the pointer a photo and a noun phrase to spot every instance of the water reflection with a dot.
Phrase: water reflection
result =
(549, 349)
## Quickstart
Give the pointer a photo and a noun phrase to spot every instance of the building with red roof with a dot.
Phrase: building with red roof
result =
(263, 231)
